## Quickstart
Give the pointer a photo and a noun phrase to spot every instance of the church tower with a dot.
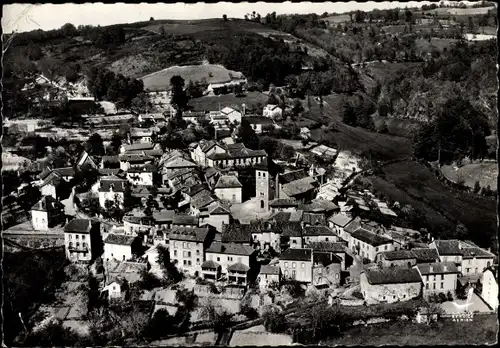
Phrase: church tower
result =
(262, 181)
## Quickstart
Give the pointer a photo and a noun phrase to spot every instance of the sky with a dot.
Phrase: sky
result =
(26, 17)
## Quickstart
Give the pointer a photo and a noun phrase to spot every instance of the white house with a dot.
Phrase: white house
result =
(187, 248)
(490, 288)
(369, 244)
(142, 175)
(119, 247)
(233, 115)
(268, 275)
(227, 254)
(228, 188)
(259, 123)
(111, 188)
(46, 213)
(438, 277)
(390, 285)
(273, 111)
(115, 288)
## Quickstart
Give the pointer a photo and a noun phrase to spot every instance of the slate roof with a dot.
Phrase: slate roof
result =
(267, 269)
(292, 176)
(135, 157)
(319, 205)
(146, 168)
(109, 171)
(292, 254)
(238, 267)
(448, 247)
(437, 268)
(425, 255)
(237, 233)
(370, 238)
(79, 226)
(325, 258)
(258, 120)
(289, 228)
(352, 226)
(66, 171)
(48, 204)
(164, 215)
(398, 255)
(53, 178)
(119, 239)
(207, 145)
(297, 216)
(280, 216)
(179, 162)
(210, 264)
(300, 186)
(230, 249)
(237, 153)
(228, 181)
(197, 234)
(318, 231)
(210, 172)
(393, 275)
(177, 173)
(283, 202)
(217, 208)
(340, 219)
(185, 220)
(327, 246)
(469, 253)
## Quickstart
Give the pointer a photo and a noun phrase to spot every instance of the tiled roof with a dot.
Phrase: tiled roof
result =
(138, 147)
(437, 268)
(79, 226)
(228, 181)
(319, 205)
(469, 253)
(237, 233)
(393, 275)
(210, 172)
(258, 120)
(177, 173)
(109, 171)
(217, 208)
(425, 255)
(146, 168)
(296, 216)
(267, 269)
(370, 238)
(179, 162)
(197, 234)
(292, 176)
(289, 228)
(340, 219)
(448, 247)
(164, 215)
(318, 231)
(398, 255)
(313, 219)
(352, 226)
(119, 239)
(185, 220)
(230, 249)
(195, 189)
(327, 246)
(202, 199)
(238, 267)
(280, 216)
(300, 186)
(296, 254)
(283, 202)
(48, 204)
(243, 153)
(140, 132)
(53, 178)
(135, 157)
(210, 264)
(207, 145)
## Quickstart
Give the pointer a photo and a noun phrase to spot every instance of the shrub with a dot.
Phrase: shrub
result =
(442, 297)
(275, 321)
(249, 312)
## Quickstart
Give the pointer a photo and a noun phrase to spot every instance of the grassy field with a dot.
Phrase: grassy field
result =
(424, 45)
(409, 182)
(338, 19)
(211, 73)
(485, 173)
(251, 99)
(461, 11)
(399, 127)
(483, 330)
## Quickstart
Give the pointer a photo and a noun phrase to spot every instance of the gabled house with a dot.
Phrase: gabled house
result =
(229, 188)
(259, 123)
(82, 239)
(389, 285)
(115, 288)
(285, 205)
(438, 277)
(368, 244)
(140, 136)
(200, 201)
(297, 185)
(326, 270)
(339, 222)
(228, 254)
(110, 162)
(143, 175)
(290, 234)
(132, 160)
(216, 215)
(205, 148)
(53, 184)
(111, 188)
(397, 258)
(268, 275)
(233, 115)
(425, 255)
(337, 249)
(138, 148)
(185, 221)
(86, 160)
(46, 213)
(297, 264)
(266, 235)
(235, 155)
(121, 247)
(237, 233)
(177, 163)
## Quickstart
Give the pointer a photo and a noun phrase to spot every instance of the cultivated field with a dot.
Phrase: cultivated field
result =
(461, 11)
(485, 173)
(251, 99)
(338, 19)
(211, 73)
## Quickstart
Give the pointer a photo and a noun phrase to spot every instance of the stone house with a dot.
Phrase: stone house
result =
(229, 188)
(82, 240)
(297, 264)
(397, 258)
(268, 275)
(121, 247)
(439, 277)
(187, 247)
(46, 213)
(326, 269)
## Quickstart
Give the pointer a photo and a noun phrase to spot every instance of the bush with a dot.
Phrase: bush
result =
(249, 312)
(275, 321)
(442, 297)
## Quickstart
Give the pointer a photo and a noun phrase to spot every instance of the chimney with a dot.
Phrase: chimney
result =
(431, 268)
(445, 268)
(90, 225)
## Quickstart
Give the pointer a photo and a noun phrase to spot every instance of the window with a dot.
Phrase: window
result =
(175, 252)
(286, 273)
(393, 297)
(337, 276)
(258, 173)
(442, 276)
(427, 286)
(467, 270)
(319, 279)
(184, 253)
(77, 244)
(293, 264)
(84, 254)
(189, 262)
(303, 265)
(189, 254)
(198, 260)
(434, 286)
(294, 241)
(70, 236)
(442, 286)
(427, 278)
(83, 237)
(70, 244)
(383, 297)
(189, 245)
(230, 258)
(77, 236)
(434, 277)
(376, 249)
(184, 262)
(326, 239)
(385, 247)
(293, 274)
(197, 252)
(263, 175)
(175, 244)
(286, 264)
(218, 258)
(184, 245)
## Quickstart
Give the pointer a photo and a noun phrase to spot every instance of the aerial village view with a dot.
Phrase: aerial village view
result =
(244, 178)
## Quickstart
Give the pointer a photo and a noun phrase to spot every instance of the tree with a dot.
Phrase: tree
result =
(179, 98)
(148, 280)
(162, 30)
(477, 187)
(224, 17)
(116, 142)
(95, 145)
(53, 334)
(151, 19)
(69, 30)
(287, 153)
(160, 325)
(432, 309)
(247, 136)
(187, 298)
(274, 320)
(348, 114)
